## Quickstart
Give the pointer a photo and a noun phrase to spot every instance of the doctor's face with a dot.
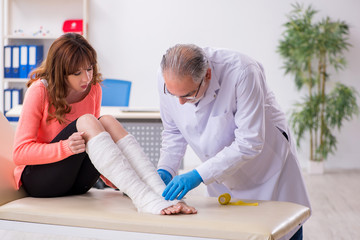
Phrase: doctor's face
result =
(184, 88)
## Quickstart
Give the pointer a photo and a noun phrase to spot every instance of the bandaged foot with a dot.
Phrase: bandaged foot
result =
(110, 162)
(141, 163)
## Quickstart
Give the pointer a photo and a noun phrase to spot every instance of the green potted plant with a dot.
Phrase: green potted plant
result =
(310, 52)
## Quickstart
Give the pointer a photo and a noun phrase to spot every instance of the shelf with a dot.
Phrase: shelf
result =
(21, 25)
(30, 37)
(16, 80)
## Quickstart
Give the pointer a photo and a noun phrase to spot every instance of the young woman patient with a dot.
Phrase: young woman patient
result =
(62, 145)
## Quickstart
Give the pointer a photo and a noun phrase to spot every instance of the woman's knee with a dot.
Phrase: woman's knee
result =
(90, 125)
(113, 126)
(108, 120)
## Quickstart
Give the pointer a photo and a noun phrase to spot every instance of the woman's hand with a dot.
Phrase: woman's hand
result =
(77, 142)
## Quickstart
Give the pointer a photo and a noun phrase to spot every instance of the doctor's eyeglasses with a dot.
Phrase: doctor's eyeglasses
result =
(187, 96)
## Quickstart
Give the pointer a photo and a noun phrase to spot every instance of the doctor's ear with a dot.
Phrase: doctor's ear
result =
(208, 75)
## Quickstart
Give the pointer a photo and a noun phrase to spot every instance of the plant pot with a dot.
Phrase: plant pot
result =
(316, 167)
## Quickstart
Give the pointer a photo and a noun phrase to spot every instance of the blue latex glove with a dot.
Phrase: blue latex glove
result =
(181, 185)
(165, 176)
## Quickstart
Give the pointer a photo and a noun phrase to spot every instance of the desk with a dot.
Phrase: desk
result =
(144, 124)
(119, 113)
(133, 114)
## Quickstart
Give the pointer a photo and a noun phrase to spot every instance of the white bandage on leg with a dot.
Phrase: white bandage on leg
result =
(110, 162)
(141, 163)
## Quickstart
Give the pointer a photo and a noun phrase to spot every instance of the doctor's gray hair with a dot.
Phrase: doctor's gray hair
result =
(185, 60)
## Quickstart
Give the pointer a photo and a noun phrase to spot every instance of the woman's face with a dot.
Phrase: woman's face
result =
(80, 80)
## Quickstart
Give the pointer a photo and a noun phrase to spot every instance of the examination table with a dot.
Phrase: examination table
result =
(111, 210)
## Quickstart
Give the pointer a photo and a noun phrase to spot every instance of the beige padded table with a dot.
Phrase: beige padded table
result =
(108, 209)
(111, 210)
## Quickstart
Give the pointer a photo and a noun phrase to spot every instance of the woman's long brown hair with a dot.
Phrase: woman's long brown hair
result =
(66, 55)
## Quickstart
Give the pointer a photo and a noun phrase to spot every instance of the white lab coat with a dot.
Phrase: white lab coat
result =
(234, 130)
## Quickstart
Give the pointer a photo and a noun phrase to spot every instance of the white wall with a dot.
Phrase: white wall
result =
(131, 36)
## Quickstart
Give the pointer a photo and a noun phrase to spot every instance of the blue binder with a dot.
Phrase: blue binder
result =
(24, 59)
(16, 97)
(7, 61)
(12, 98)
(36, 53)
(7, 100)
(15, 61)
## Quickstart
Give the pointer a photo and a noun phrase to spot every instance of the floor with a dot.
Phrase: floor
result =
(335, 199)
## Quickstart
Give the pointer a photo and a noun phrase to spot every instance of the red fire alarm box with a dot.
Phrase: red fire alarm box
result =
(73, 25)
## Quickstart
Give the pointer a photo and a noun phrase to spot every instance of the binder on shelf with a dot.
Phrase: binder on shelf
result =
(7, 100)
(7, 61)
(15, 61)
(35, 56)
(12, 98)
(16, 97)
(24, 59)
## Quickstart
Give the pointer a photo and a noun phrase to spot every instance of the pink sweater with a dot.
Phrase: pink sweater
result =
(33, 133)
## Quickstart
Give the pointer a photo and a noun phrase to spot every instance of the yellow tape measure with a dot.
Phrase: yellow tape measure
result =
(224, 199)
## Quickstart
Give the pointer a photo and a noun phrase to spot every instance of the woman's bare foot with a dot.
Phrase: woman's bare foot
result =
(186, 209)
(180, 207)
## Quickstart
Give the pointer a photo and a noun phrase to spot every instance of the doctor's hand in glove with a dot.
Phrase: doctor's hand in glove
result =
(165, 176)
(181, 185)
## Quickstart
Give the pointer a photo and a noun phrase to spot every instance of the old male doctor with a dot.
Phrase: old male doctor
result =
(218, 102)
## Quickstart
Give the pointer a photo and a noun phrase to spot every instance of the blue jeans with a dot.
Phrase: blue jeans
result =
(298, 235)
